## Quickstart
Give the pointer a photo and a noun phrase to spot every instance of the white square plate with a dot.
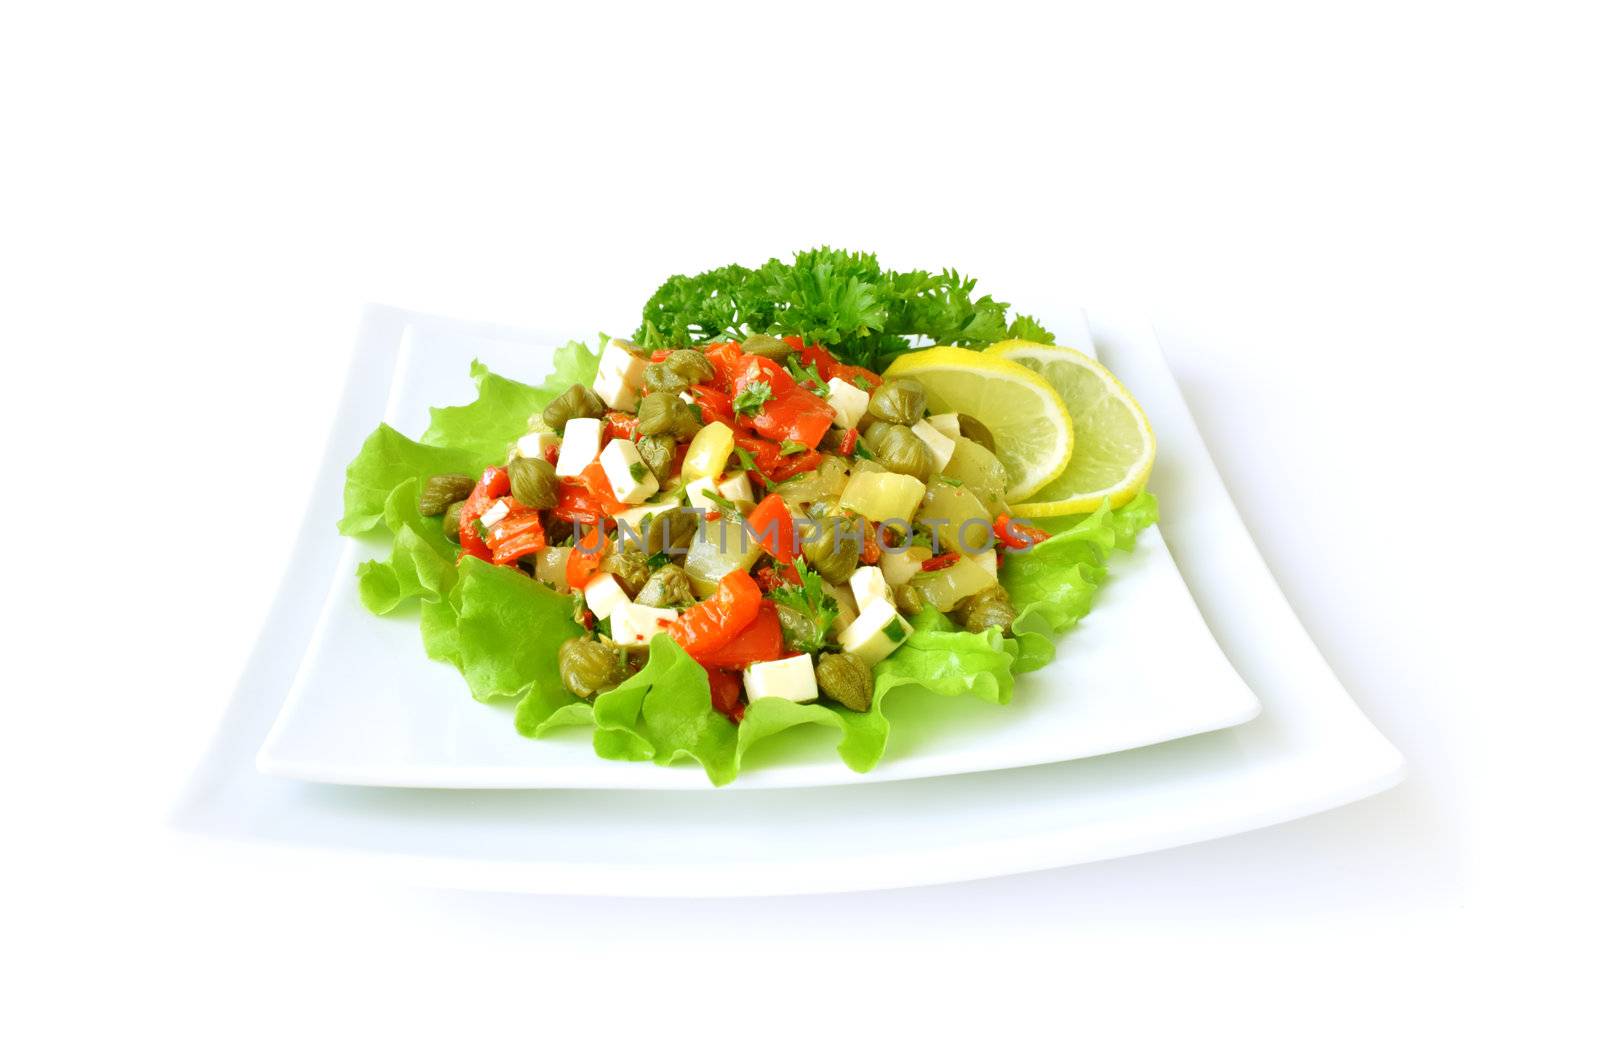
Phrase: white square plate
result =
(1310, 749)
(368, 707)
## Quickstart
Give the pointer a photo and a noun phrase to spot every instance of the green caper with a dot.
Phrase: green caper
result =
(452, 522)
(764, 345)
(671, 532)
(576, 401)
(990, 607)
(663, 413)
(845, 678)
(678, 370)
(630, 568)
(533, 482)
(975, 430)
(588, 668)
(657, 453)
(440, 491)
(834, 547)
(800, 634)
(898, 401)
(899, 450)
(667, 588)
(908, 599)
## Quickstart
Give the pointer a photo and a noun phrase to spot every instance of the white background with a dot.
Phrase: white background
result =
(1367, 233)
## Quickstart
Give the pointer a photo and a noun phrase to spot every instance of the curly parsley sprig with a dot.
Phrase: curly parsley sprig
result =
(844, 300)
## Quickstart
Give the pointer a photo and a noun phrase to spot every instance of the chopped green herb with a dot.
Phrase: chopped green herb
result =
(861, 451)
(895, 630)
(752, 398)
(657, 559)
(951, 480)
(746, 459)
(792, 446)
(638, 470)
(807, 375)
(812, 599)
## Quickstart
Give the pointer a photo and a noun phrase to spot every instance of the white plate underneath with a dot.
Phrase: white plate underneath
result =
(1310, 749)
(368, 707)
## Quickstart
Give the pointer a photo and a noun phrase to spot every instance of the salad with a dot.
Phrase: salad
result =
(765, 510)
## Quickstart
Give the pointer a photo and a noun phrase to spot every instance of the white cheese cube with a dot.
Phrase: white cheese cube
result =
(625, 470)
(702, 494)
(989, 562)
(604, 595)
(536, 444)
(736, 488)
(636, 625)
(792, 677)
(495, 514)
(876, 633)
(866, 583)
(940, 444)
(948, 423)
(848, 401)
(580, 444)
(621, 375)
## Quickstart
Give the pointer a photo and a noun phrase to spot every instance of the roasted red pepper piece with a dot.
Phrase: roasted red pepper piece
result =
(584, 561)
(773, 527)
(828, 367)
(761, 640)
(712, 624)
(1015, 535)
(724, 359)
(714, 405)
(725, 693)
(621, 425)
(587, 498)
(493, 484)
(516, 535)
(791, 413)
(938, 561)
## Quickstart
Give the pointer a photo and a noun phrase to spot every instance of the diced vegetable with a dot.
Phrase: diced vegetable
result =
(946, 587)
(709, 452)
(900, 565)
(979, 472)
(956, 518)
(882, 496)
(721, 547)
(550, 565)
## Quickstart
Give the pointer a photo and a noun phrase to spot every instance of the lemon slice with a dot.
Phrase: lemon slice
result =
(1031, 428)
(1115, 446)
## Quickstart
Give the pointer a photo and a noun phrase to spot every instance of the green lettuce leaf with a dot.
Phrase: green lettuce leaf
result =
(663, 712)
(1053, 585)
(487, 426)
(388, 459)
(939, 658)
(508, 631)
(863, 736)
(422, 563)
